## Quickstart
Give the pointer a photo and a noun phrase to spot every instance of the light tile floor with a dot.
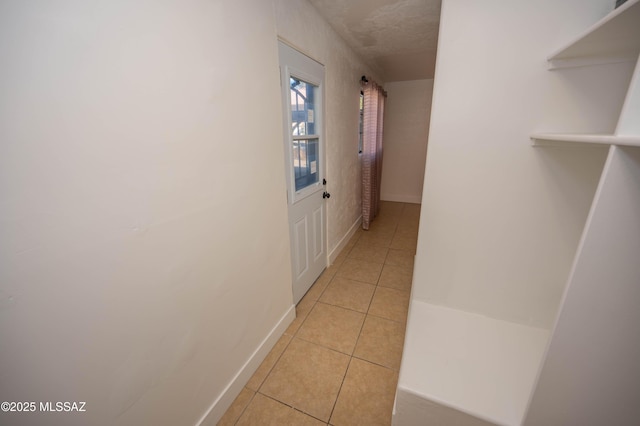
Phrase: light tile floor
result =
(337, 363)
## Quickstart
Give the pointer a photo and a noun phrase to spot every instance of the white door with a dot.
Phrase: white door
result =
(302, 81)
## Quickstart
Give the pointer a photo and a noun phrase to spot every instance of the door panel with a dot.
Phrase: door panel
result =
(300, 236)
(317, 234)
(302, 81)
(308, 249)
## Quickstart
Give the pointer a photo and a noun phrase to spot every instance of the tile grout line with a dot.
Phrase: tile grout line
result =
(293, 336)
(274, 364)
(263, 381)
(353, 351)
(245, 407)
(352, 356)
(345, 308)
(376, 363)
(340, 388)
(290, 406)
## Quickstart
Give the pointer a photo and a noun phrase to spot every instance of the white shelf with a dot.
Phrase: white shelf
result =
(469, 363)
(614, 38)
(568, 139)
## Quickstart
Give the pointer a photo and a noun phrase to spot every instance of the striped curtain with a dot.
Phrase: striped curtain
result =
(372, 150)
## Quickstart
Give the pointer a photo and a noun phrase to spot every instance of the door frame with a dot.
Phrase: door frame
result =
(309, 75)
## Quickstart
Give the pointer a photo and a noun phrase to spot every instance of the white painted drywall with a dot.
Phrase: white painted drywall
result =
(501, 220)
(143, 234)
(302, 27)
(406, 131)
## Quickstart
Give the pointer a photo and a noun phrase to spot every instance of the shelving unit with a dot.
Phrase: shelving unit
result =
(598, 316)
(464, 361)
(614, 38)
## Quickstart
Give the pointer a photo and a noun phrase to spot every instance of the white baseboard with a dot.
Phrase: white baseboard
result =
(343, 242)
(222, 403)
(413, 199)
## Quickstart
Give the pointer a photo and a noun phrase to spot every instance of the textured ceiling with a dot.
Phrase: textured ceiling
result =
(398, 37)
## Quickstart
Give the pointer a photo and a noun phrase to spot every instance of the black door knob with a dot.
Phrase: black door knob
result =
(326, 195)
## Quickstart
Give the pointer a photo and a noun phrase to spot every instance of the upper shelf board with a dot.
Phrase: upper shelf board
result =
(614, 38)
(569, 139)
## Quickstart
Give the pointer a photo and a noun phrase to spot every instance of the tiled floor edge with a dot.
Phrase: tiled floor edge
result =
(335, 252)
(222, 403)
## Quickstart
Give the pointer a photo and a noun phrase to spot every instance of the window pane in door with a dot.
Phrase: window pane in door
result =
(303, 107)
(305, 162)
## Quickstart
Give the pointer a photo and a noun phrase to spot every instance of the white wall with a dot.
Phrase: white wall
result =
(500, 219)
(143, 248)
(301, 26)
(406, 132)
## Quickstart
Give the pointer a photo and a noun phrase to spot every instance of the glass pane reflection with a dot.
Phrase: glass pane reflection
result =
(303, 108)
(305, 162)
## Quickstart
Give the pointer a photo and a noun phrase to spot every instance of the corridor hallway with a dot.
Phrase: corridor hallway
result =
(337, 363)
